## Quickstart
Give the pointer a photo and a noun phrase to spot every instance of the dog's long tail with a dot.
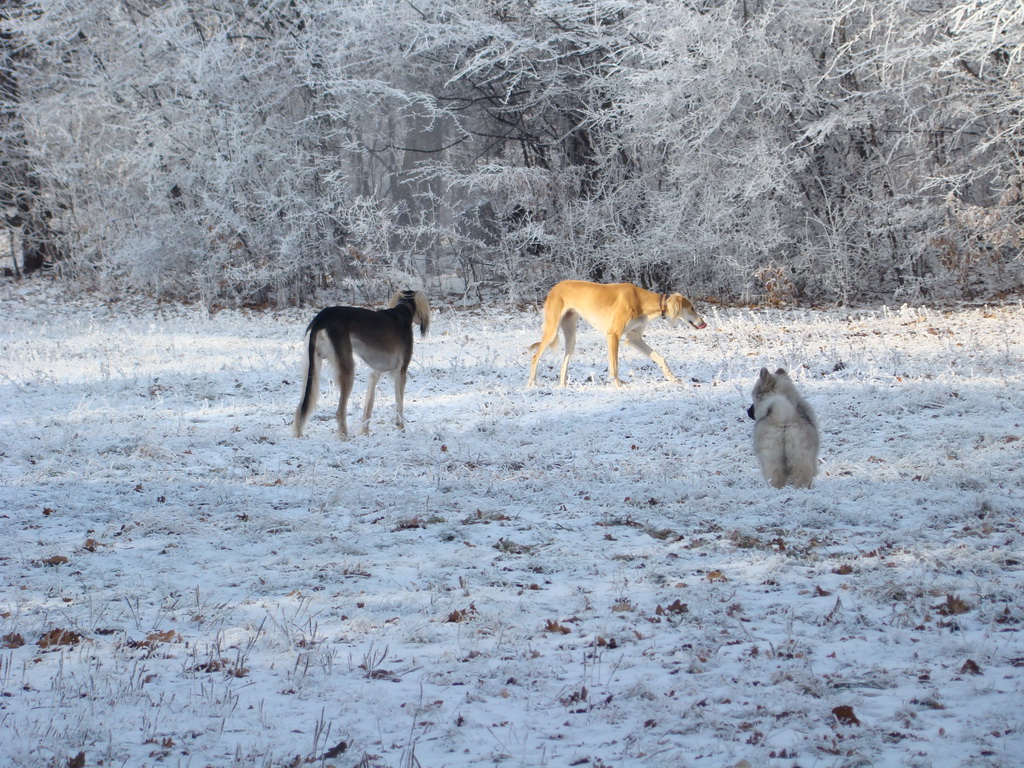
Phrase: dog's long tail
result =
(311, 390)
(554, 343)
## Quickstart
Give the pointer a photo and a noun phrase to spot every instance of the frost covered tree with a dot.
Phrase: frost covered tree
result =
(982, 134)
(770, 150)
(250, 150)
(176, 138)
(198, 149)
(917, 147)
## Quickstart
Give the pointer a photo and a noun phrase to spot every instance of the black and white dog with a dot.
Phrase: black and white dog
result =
(382, 339)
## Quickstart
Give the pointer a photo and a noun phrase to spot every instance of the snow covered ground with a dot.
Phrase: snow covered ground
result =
(588, 576)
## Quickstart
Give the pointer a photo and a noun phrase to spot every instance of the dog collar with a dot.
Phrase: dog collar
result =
(662, 304)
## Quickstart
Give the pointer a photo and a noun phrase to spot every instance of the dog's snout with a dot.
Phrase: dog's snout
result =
(750, 411)
(700, 325)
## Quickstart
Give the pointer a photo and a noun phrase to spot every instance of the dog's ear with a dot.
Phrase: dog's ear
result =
(765, 383)
(781, 372)
(674, 306)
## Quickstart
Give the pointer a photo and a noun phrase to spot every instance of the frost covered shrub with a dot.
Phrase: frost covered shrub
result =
(246, 153)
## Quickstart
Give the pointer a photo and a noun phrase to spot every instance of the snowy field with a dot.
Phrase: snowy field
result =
(580, 577)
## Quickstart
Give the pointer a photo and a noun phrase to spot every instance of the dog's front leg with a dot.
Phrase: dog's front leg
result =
(636, 341)
(345, 380)
(664, 366)
(368, 403)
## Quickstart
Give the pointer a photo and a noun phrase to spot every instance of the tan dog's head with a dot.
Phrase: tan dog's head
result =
(678, 306)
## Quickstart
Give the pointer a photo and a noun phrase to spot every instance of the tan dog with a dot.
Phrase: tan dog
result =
(619, 310)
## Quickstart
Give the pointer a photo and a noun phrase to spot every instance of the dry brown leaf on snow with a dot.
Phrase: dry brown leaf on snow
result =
(678, 607)
(57, 637)
(845, 715)
(970, 667)
(458, 615)
(554, 627)
(953, 606)
(157, 637)
(12, 640)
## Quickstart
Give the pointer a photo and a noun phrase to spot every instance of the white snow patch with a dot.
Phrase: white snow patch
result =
(544, 577)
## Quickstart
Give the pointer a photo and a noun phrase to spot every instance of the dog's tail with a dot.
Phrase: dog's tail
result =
(422, 313)
(311, 389)
(554, 343)
(419, 305)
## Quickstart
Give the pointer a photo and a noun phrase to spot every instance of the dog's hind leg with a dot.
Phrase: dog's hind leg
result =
(802, 456)
(344, 372)
(773, 468)
(802, 477)
(368, 403)
(399, 380)
(345, 380)
(568, 326)
(635, 340)
(770, 447)
(552, 312)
